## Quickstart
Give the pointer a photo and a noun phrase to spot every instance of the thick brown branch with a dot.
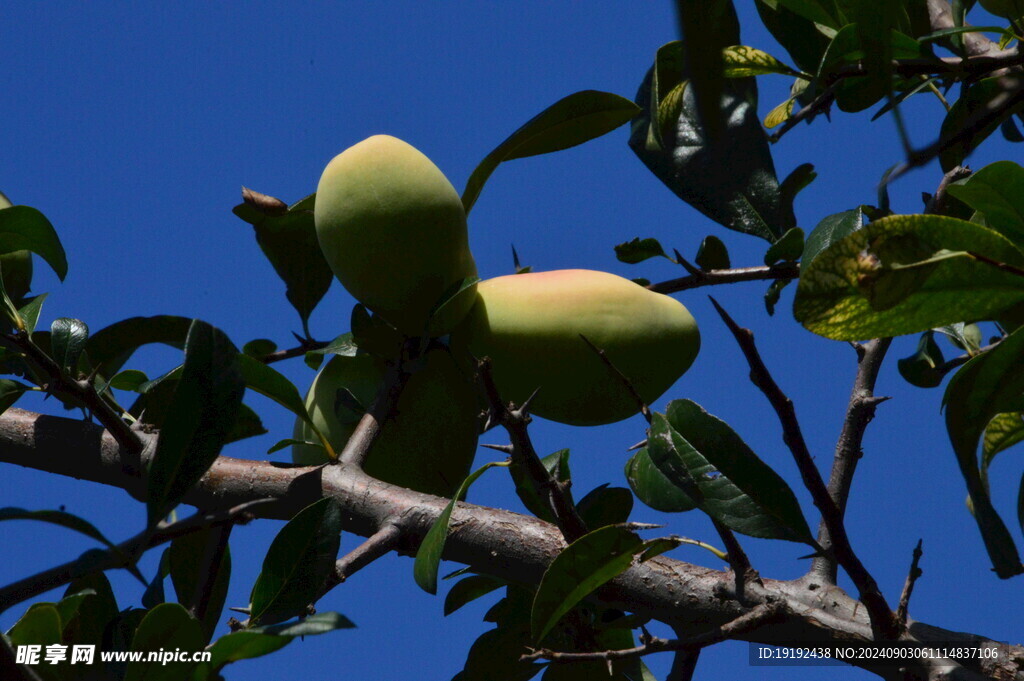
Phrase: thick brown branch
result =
(783, 270)
(493, 541)
(859, 412)
(882, 619)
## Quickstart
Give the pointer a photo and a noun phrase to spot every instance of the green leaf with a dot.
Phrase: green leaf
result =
(997, 192)
(638, 250)
(289, 241)
(30, 311)
(67, 339)
(732, 179)
(788, 248)
(10, 391)
(741, 61)
(428, 556)
(25, 228)
(244, 645)
(803, 38)
(987, 385)
(270, 383)
(343, 345)
(41, 626)
(822, 12)
(774, 293)
(652, 487)
(495, 655)
(155, 594)
(557, 465)
(798, 179)
(320, 623)
(1001, 433)
(66, 520)
(961, 123)
(202, 412)
(259, 348)
(94, 614)
(570, 121)
(373, 334)
(830, 230)
(605, 505)
(166, 627)
(189, 564)
(112, 346)
(712, 254)
(967, 337)
(588, 563)
(920, 369)
(705, 458)
(298, 563)
(905, 274)
(470, 589)
(708, 29)
(129, 379)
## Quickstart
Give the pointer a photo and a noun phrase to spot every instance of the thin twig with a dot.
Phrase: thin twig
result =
(752, 620)
(297, 351)
(908, 588)
(818, 105)
(81, 392)
(960, 360)
(784, 270)
(883, 622)
(937, 203)
(859, 411)
(123, 555)
(384, 406)
(515, 421)
(623, 379)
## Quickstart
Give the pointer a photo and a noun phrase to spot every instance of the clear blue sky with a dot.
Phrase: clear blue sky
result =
(133, 128)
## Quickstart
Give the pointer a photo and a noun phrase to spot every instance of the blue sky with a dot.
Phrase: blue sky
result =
(133, 128)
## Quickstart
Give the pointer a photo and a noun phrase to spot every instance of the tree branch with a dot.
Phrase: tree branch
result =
(859, 412)
(883, 621)
(493, 541)
(121, 556)
(782, 270)
(908, 588)
(516, 421)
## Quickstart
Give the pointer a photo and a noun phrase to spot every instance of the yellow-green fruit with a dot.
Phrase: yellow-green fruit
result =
(16, 266)
(530, 327)
(393, 230)
(429, 444)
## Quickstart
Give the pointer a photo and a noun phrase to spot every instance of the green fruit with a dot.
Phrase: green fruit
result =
(530, 327)
(393, 230)
(429, 444)
(16, 266)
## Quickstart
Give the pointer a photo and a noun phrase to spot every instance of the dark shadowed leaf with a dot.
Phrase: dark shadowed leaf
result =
(67, 341)
(605, 505)
(259, 348)
(774, 293)
(921, 368)
(110, 347)
(66, 520)
(788, 248)
(793, 24)
(905, 274)
(94, 614)
(712, 254)
(732, 181)
(708, 460)
(25, 228)
(199, 420)
(652, 487)
(30, 311)
(576, 119)
(168, 626)
(10, 391)
(298, 563)
(638, 250)
(189, 563)
(987, 385)
(708, 29)
(428, 556)
(470, 589)
(290, 243)
(961, 130)
(460, 289)
(40, 625)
